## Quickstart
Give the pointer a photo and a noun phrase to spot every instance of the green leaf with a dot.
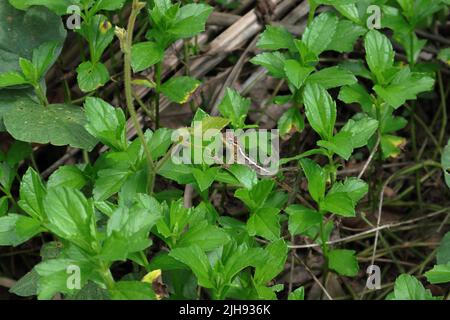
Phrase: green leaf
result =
(16, 229)
(99, 34)
(241, 258)
(246, 176)
(32, 194)
(4, 206)
(316, 178)
(57, 124)
(273, 265)
(180, 89)
(276, 38)
(72, 217)
(235, 108)
(18, 152)
(324, 24)
(443, 252)
(343, 262)
(297, 294)
(257, 196)
(195, 258)
(106, 123)
(91, 76)
(92, 291)
(109, 5)
(296, 73)
(291, 120)
(265, 222)
(204, 178)
(320, 110)
(391, 145)
(272, 61)
(145, 54)
(379, 54)
(26, 286)
(57, 6)
(444, 55)
(405, 86)
(12, 78)
(132, 290)
(409, 288)
(190, 20)
(207, 237)
(68, 176)
(355, 188)
(356, 94)
(109, 182)
(26, 32)
(345, 37)
(340, 144)
(439, 274)
(301, 219)
(339, 203)
(332, 77)
(45, 56)
(361, 131)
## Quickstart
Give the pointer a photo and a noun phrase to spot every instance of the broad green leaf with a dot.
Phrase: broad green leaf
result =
(54, 276)
(109, 5)
(320, 110)
(409, 288)
(72, 217)
(343, 262)
(207, 237)
(296, 73)
(332, 77)
(297, 294)
(340, 144)
(325, 24)
(246, 176)
(26, 286)
(145, 54)
(439, 274)
(32, 194)
(273, 265)
(339, 203)
(45, 56)
(276, 38)
(242, 258)
(16, 229)
(69, 177)
(204, 178)
(160, 142)
(196, 259)
(190, 20)
(291, 121)
(405, 86)
(132, 290)
(355, 188)
(27, 30)
(379, 54)
(180, 89)
(301, 219)
(265, 222)
(57, 124)
(109, 182)
(91, 291)
(57, 6)
(91, 76)
(361, 131)
(345, 37)
(106, 123)
(356, 94)
(235, 108)
(272, 61)
(12, 78)
(316, 178)
(18, 152)
(443, 253)
(99, 34)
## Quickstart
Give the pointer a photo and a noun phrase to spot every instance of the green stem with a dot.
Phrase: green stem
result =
(158, 70)
(126, 44)
(41, 95)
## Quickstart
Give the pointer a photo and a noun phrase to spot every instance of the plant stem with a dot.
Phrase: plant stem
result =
(126, 44)
(158, 69)
(41, 95)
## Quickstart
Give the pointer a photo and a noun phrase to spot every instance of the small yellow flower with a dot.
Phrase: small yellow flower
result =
(105, 26)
